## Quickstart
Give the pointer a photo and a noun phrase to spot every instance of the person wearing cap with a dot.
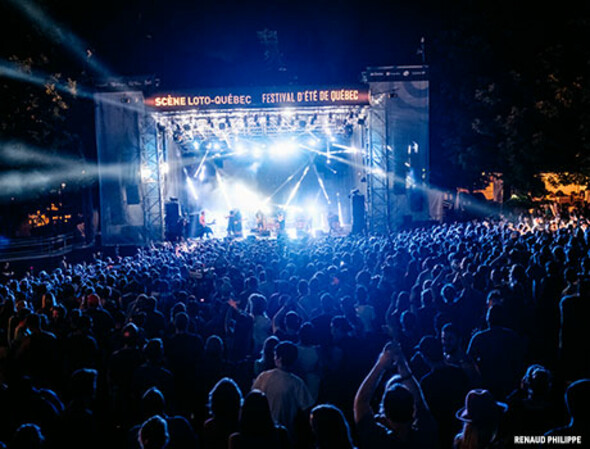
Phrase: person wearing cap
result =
(481, 416)
(404, 420)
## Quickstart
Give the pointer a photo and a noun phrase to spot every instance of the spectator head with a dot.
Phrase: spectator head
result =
(181, 321)
(495, 316)
(330, 428)
(481, 408)
(397, 404)
(577, 399)
(448, 293)
(426, 297)
(268, 347)
(130, 334)
(225, 400)
(494, 298)
(431, 350)
(251, 283)
(153, 402)
(154, 350)
(292, 321)
(307, 334)
(409, 321)
(83, 384)
(214, 346)
(340, 327)
(536, 381)
(255, 416)
(402, 300)
(303, 287)
(327, 302)
(285, 355)
(257, 304)
(48, 301)
(450, 338)
(153, 433)
(92, 301)
(28, 436)
(179, 307)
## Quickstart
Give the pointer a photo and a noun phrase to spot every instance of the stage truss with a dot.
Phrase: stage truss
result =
(227, 127)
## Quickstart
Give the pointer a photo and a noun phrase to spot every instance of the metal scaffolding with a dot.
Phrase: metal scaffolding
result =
(151, 179)
(379, 165)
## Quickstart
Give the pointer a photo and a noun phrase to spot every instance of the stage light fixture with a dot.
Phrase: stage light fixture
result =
(288, 112)
(145, 172)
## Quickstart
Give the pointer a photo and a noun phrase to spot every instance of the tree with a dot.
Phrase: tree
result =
(512, 100)
(44, 122)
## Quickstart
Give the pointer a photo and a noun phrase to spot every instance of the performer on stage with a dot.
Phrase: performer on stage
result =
(234, 223)
(281, 222)
(238, 222)
(230, 223)
(334, 223)
(203, 228)
(259, 216)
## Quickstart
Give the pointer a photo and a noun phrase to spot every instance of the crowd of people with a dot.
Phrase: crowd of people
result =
(465, 336)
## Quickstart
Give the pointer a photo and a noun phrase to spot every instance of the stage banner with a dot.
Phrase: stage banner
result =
(117, 117)
(288, 96)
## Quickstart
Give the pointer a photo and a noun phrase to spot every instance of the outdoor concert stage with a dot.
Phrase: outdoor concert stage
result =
(286, 159)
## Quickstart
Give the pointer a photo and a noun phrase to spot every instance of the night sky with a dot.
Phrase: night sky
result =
(193, 44)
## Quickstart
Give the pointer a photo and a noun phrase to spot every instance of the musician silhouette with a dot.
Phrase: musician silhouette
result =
(234, 223)
(203, 228)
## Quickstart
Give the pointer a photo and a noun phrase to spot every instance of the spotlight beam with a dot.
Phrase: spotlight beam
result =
(59, 35)
(23, 154)
(13, 71)
(285, 182)
(221, 183)
(321, 183)
(201, 163)
(296, 188)
(191, 186)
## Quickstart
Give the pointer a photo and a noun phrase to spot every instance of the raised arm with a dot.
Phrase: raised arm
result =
(362, 400)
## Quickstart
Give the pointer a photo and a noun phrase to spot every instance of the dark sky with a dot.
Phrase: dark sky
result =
(191, 44)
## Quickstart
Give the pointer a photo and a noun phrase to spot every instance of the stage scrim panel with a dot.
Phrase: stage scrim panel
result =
(117, 116)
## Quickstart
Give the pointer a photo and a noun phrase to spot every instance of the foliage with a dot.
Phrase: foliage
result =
(511, 101)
